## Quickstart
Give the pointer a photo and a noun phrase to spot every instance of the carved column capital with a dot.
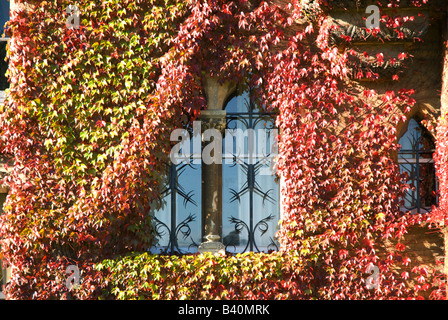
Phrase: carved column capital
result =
(213, 119)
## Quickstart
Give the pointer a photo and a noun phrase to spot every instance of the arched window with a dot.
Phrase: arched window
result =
(250, 190)
(251, 208)
(416, 160)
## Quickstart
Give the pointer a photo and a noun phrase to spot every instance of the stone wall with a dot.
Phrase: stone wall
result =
(424, 247)
(421, 72)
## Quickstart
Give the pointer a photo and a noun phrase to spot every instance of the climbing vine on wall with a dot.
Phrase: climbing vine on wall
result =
(90, 111)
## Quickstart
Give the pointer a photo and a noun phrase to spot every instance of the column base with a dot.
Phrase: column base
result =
(212, 247)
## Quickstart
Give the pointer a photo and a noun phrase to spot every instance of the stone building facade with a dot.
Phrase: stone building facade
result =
(423, 40)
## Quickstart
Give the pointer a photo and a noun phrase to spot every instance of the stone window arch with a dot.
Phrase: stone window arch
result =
(415, 158)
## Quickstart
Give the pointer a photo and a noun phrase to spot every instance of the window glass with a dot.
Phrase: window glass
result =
(3, 68)
(178, 216)
(4, 18)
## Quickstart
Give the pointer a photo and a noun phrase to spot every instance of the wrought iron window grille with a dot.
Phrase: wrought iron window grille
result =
(251, 203)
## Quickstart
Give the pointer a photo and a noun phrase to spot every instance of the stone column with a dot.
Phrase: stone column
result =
(213, 123)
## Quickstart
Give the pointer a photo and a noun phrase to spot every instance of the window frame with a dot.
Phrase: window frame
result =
(416, 160)
(172, 230)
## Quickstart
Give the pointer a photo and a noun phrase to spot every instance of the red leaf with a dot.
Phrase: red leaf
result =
(380, 58)
(402, 56)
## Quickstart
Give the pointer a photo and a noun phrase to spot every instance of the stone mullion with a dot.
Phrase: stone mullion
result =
(213, 118)
(212, 184)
